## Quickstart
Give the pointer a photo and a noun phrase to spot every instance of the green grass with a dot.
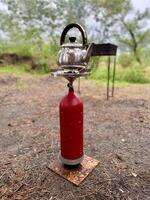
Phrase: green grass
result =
(14, 69)
(123, 75)
(22, 69)
(24, 48)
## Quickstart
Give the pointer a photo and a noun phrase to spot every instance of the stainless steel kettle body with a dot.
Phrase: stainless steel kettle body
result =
(73, 54)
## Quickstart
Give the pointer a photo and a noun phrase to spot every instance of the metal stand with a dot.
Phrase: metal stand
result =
(107, 50)
(114, 73)
(79, 91)
(113, 78)
(108, 77)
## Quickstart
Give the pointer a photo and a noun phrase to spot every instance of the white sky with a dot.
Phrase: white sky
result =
(141, 4)
(2, 6)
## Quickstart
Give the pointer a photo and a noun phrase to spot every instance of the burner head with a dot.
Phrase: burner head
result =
(69, 74)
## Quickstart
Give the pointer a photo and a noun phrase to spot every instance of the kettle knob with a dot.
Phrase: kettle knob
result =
(72, 39)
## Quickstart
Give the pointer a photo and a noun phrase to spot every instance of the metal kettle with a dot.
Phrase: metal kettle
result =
(74, 55)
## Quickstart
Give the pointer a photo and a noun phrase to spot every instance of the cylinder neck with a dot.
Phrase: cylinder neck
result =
(71, 90)
(70, 86)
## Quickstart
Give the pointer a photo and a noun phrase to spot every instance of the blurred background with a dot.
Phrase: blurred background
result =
(30, 33)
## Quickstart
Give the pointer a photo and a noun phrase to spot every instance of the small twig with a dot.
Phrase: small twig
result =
(19, 187)
(7, 163)
(13, 171)
(2, 98)
(31, 167)
(3, 174)
(3, 194)
(17, 190)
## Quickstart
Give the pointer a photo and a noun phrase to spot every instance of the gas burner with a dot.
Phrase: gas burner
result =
(70, 75)
(73, 67)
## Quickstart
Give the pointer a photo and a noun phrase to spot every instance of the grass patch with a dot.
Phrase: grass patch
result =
(123, 75)
(135, 75)
(21, 69)
(14, 69)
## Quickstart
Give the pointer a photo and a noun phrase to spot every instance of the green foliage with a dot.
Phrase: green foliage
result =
(125, 60)
(94, 62)
(75, 11)
(39, 15)
(135, 33)
(18, 45)
(133, 74)
(22, 48)
(17, 69)
(39, 67)
(43, 54)
(145, 56)
(99, 74)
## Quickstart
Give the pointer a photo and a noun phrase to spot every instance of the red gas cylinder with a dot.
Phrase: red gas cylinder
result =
(71, 129)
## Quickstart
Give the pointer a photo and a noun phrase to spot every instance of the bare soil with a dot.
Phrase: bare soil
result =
(116, 132)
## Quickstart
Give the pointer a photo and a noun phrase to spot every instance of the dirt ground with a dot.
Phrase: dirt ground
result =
(116, 132)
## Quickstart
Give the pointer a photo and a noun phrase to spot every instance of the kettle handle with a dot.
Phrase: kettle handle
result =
(74, 25)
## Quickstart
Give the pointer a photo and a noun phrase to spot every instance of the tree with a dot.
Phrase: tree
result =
(36, 15)
(45, 17)
(136, 34)
(106, 14)
(117, 21)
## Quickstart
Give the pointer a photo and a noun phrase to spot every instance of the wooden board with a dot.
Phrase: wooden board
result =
(74, 174)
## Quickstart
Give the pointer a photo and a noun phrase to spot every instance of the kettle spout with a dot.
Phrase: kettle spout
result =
(89, 51)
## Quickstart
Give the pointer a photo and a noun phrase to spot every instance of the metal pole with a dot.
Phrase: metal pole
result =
(113, 81)
(79, 85)
(108, 77)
